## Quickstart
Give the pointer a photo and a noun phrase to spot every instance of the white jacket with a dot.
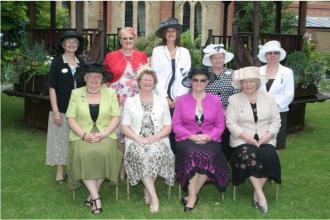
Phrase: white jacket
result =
(133, 115)
(162, 65)
(282, 88)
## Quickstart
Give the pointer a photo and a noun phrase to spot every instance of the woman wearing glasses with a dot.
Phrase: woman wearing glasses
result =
(123, 64)
(198, 123)
(280, 83)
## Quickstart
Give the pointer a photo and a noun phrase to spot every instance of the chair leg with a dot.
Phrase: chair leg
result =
(179, 191)
(169, 193)
(116, 193)
(276, 191)
(234, 192)
(127, 188)
(73, 194)
(222, 196)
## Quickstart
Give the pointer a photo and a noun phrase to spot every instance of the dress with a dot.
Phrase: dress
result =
(153, 160)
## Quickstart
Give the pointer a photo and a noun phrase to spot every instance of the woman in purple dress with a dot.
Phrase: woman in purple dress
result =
(198, 124)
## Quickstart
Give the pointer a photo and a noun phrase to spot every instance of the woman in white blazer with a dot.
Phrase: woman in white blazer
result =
(146, 125)
(280, 83)
(253, 120)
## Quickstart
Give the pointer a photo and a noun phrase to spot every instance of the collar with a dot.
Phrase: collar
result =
(65, 60)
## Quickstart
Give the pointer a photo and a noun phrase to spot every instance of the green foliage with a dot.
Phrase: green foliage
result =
(187, 40)
(12, 13)
(43, 15)
(10, 73)
(244, 12)
(147, 44)
(62, 18)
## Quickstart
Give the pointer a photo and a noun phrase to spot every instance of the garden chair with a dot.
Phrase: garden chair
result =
(74, 193)
(276, 190)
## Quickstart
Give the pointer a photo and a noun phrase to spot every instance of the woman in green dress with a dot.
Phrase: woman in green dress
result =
(93, 115)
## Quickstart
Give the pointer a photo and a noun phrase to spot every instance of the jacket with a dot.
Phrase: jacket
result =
(239, 117)
(282, 88)
(161, 64)
(79, 109)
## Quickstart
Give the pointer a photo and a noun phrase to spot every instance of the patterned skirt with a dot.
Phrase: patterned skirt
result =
(192, 158)
(142, 160)
(249, 160)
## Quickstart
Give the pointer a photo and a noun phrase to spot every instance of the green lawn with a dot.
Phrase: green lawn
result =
(29, 190)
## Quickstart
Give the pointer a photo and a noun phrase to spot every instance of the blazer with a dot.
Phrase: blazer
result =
(239, 117)
(162, 65)
(133, 115)
(282, 88)
(79, 109)
(184, 124)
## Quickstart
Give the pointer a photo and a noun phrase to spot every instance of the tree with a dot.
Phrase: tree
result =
(43, 16)
(244, 11)
(13, 14)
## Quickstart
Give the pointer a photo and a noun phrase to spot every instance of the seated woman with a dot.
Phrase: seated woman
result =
(198, 123)
(146, 126)
(253, 120)
(93, 115)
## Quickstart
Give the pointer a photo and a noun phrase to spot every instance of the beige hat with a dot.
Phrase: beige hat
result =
(212, 49)
(250, 72)
(270, 46)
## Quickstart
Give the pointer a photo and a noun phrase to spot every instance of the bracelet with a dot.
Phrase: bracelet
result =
(83, 137)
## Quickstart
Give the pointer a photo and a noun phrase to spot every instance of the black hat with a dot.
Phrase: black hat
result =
(168, 23)
(195, 71)
(97, 68)
(70, 34)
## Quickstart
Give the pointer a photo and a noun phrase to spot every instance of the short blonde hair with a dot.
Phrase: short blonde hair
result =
(128, 30)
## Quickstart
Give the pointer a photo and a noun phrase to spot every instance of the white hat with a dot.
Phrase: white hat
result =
(250, 72)
(270, 46)
(212, 49)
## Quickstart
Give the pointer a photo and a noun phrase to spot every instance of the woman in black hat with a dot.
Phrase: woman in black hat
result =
(93, 115)
(64, 75)
(171, 63)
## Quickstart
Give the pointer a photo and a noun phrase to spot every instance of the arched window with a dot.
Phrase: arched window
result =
(198, 20)
(186, 16)
(129, 14)
(141, 19)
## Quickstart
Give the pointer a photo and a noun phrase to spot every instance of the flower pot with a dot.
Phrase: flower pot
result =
(35, 85)
(308, 91)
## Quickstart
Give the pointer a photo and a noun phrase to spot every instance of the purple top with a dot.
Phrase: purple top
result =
(184, 124)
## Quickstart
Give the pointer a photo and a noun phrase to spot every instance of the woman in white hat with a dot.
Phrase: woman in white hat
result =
(280, 83)
(253, 120)
(220, 81)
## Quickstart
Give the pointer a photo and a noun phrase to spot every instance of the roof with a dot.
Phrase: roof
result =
(317, 22)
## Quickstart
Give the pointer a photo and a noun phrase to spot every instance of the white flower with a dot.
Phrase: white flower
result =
(65, 70)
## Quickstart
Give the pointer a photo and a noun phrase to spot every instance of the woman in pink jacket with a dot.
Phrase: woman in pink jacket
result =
(198, 124)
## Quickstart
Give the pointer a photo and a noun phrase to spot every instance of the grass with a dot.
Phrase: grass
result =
(29, 189)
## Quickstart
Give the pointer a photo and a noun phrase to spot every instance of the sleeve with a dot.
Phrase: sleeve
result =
(71, 111)
(219, 127)
(52, 73)
(167, 116)
(284, 99)
(160, 91)
(275, 120)
(178, 128)
(115, 111)
(126, 120)
(232, 119)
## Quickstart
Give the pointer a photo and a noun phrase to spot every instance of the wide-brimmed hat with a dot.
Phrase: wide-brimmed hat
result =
(270, 46)
(250, 72)
(97, 68)
(186, 81)
(212, 49)
(168, 23)
(70, 34)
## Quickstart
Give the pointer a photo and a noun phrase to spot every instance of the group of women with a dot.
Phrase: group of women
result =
(166, 119)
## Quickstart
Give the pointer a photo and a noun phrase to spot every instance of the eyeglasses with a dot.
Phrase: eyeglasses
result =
(199, 80)
(127, 38)
(273, 52)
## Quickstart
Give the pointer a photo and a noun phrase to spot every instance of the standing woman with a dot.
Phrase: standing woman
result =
(123, 64)
(198, 124)
(64, 76)
(220, 81)
(280, 84)
(171, 64)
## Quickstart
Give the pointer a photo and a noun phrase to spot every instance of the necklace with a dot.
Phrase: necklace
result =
(92, 93)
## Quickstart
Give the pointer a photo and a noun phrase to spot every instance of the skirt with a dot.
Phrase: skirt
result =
(192, 158)
(91, 161)
(281, 136)
(57, 141)
(248, 160)
(142, 160)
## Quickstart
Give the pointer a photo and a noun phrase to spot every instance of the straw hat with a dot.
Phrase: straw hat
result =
(212, 49)
(270, 46)
(250, 72)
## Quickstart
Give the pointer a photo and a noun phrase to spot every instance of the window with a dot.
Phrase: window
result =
(128, 14)
(198, 20)
(141, 19)
(186, 16)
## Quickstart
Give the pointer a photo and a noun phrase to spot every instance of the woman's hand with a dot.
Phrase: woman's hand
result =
(265, 138)
(57, 118)
(171, 104)
(93, 137)
(249, 139)
(199, 138)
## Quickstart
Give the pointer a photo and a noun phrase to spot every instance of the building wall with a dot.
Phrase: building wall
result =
(314, 8)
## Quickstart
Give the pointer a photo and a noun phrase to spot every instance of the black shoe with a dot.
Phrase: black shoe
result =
(97, 210)
(189, 209)
(183, 202)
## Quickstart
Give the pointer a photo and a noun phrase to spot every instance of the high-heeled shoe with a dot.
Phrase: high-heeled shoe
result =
(96, 210)
(184, 201)
(88, 203)
(189, 209)
(263, 209)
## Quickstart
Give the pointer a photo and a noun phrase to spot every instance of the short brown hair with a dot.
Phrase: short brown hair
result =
(149, 72)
